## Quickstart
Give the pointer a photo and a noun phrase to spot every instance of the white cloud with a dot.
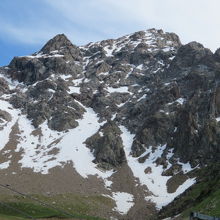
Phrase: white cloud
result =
(91, 20)
(191, 19)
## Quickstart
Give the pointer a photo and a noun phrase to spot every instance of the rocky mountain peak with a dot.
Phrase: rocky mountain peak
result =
(149, 41)
(58, 43)
(58, 55)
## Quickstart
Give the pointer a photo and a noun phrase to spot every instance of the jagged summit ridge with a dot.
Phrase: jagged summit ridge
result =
(132, 48)
(151, 40)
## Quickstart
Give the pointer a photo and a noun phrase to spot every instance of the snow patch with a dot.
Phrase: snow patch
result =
(124, 201)
(65, 77)
(154, 180)
(113, 116)
(120, 105)
(104, 73)
(142, 97)
(109, 50)
(123, 89)
(11, 83)
(140, 67)
(217, 119)
(186, 167)
(180, 101)
(4, 165)
(74, 89)
(69, 147)
(4, 134)
(41, 55)
(77, 82)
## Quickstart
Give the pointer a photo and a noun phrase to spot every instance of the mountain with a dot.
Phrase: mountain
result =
(119, 128)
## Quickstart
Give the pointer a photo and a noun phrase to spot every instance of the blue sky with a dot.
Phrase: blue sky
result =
(26, 25)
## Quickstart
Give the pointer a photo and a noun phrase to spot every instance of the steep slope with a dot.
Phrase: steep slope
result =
(131, 119)
(203, 197)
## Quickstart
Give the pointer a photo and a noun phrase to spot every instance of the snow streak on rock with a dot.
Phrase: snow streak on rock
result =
(50, 148)
(155, 182)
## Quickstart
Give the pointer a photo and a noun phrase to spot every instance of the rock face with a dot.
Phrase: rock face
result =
(57, 56)
(148, 80)
(166, 94)
(62, 44)
(3, 86)
(107, 146)
(5, 117)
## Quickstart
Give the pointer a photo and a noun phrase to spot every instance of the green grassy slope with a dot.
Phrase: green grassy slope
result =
(203, 197)
(80, 207)
(7, 217)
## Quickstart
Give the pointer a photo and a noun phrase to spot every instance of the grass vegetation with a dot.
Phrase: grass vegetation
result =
(7, 217)
(203, 197)
(81, 207)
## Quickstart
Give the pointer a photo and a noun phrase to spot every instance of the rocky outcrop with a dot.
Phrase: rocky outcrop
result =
(190, 55)
(59, 55)
(62, 45)
(4, 88)
(155, 131)
(107, 146)
(5, 117)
